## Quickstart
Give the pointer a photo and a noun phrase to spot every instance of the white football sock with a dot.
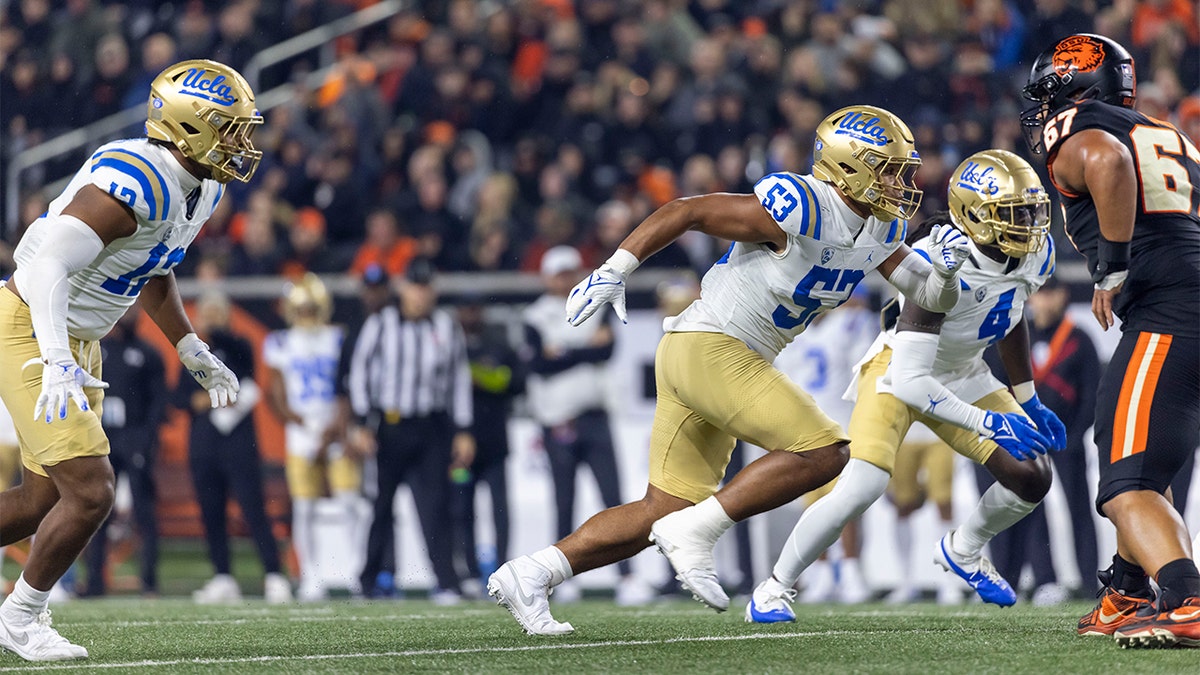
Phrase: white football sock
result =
(998, 509)
(25, 600)
(710, 517)
(303, 515)
(553, 559)
(904, 546)
(820, 524)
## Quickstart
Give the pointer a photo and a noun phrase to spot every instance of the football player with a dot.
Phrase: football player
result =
(113, 236)
(929, 367)
(801, 245)
(301, 366)
(1130, 186)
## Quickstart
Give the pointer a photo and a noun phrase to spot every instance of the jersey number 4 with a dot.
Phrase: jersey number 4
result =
(132, 281)
(997, 322)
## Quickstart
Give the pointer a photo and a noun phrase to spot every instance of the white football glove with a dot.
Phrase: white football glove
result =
(62, 381)
(948, 249)
(214, 376)
(604, 285)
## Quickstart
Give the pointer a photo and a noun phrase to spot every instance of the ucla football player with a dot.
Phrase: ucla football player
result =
(111, 238)
(301, 368)
(929, 367)
(801, 245)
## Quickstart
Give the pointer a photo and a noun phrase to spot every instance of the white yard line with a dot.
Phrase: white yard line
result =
(80, 665)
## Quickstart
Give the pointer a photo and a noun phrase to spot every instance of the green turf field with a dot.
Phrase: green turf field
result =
(175, 636)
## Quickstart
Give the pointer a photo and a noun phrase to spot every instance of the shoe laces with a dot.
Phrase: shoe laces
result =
(788, 596)
(44, 622)
(988, 570)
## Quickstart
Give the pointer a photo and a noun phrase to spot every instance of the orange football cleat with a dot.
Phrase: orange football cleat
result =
(1114, 610)
(1179, 627)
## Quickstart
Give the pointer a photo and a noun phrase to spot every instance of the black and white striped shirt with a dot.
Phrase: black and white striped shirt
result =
(413, 368)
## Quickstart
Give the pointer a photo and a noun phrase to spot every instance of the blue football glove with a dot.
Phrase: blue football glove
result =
(1047, 423)
(1016, 434)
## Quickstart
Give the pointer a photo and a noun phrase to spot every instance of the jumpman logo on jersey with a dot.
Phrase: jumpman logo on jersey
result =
(870, 256)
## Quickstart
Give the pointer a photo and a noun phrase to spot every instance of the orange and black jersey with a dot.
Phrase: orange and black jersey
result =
(1162, 292)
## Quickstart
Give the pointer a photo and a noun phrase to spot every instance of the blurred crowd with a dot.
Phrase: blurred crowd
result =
(482, 133)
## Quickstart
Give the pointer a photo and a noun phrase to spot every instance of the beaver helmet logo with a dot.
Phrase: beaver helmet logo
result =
(1078, 53)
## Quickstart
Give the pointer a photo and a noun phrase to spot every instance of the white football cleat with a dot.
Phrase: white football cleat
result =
(766, 606)
(523, 587)
(690, 552)
(634, 591)
(902, 595)
(852, 588)
(277, 590)
(819, 582)
(221, 589)
(567, 593)
(36, 640)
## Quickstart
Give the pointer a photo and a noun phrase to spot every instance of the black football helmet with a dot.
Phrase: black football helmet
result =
(1082, 66)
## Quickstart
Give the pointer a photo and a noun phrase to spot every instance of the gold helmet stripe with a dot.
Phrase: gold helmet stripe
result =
(154, 191)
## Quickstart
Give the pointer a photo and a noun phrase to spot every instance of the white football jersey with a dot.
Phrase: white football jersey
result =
(307, 358)
(990, 306)
(766, 298)
(149, 179)
(821, 358)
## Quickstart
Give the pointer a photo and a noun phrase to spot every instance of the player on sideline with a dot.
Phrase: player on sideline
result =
(929, 368)
(112, 237)
(802, 243)
(302, 365)
(1130, 185)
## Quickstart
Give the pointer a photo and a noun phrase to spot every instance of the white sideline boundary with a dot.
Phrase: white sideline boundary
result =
(80, 665)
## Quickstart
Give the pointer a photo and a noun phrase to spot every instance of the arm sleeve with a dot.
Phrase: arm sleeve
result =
(912, 360)
(69, 246)
(915, 278)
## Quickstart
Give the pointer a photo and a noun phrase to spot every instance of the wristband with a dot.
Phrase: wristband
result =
(623, 262)
(1112, 257)
(1024, 392)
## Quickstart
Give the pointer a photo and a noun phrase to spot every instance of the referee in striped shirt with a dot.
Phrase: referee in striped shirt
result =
(410, 380)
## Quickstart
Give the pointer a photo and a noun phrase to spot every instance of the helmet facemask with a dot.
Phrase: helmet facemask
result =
(234, 156)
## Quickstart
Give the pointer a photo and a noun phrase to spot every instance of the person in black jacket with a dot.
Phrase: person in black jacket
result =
(133, 409)
(223, 458)
(567, 390)
(1066, 371)
(497, 378)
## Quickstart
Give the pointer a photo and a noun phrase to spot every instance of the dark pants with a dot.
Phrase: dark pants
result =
(488, 469)
(132, 455)
(415, 451)
(1071, 466)
(221, 465)
(1027, 541)
(586, 439)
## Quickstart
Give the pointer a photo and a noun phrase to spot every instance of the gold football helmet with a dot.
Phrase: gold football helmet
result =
(206, 109)
(868, 153)
(307, 303)
(997, 199)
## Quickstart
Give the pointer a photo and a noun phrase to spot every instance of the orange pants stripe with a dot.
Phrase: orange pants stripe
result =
(1132, 420)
